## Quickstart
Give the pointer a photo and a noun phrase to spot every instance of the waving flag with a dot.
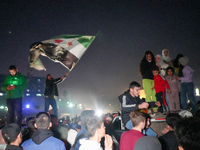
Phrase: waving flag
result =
(65, 49)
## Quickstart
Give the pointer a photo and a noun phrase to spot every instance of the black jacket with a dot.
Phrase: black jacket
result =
(40, 135)
(129, 103)
(51, 87)
(169, 141)
(13, 147)
(146, 69)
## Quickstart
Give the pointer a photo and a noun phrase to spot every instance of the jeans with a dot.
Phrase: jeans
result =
(187, 89)
(52, 102)
(15, 105)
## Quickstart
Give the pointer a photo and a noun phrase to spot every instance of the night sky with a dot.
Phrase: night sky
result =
(127, 30)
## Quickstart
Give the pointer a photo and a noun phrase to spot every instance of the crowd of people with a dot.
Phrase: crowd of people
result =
(45, 132)
(167, 84)
(164, 79)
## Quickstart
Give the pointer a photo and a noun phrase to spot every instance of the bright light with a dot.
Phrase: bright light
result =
(27, 94)
(197, 92)
(99, 112)
(1, 107)
(70, 105)
(38, 94)
(27, 106)
(1, 94)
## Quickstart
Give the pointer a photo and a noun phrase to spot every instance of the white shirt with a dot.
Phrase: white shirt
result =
(87, 144)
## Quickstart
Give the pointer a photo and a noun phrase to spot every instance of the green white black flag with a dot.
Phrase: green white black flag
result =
(65, 49)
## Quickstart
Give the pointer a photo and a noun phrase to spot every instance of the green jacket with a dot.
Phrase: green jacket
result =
(20, 85)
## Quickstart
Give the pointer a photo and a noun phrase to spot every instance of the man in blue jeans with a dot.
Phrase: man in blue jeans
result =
(130, 101)
(51, 91)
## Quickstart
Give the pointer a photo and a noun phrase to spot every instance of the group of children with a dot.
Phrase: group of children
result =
(164, 79)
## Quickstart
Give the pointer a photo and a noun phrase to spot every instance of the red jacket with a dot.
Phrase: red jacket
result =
(160, 83)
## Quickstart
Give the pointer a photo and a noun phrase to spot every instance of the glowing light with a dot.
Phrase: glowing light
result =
(197, 92)
(99, 112)
(27, 94)
(27, 106)
(1, 107)
(1, 94)
(38, 94)
(70, 105)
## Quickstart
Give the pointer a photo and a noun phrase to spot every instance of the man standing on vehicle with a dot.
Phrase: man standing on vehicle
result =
(130, 101)
(14, 85)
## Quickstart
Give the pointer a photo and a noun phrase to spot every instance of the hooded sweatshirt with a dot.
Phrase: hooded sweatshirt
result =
(43, 139)
(187, 75)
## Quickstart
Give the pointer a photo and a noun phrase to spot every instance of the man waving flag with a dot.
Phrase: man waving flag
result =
(65, 49)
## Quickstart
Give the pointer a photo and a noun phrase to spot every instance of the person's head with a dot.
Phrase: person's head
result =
(155, 70)
(176, 62)
(138, 118)
(147, 143)
(148, 120)
(184, 60)
(172, 119)
(13, 70)
(149, 57)
(134, 88)
(95, 126)
(187, 132)
(165, 52)
(11, 134)
(49, 77)
(159, 60)
(43, 120)
(170, 71)
(85, 114)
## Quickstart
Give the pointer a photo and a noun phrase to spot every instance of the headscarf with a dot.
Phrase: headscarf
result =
(166, 58)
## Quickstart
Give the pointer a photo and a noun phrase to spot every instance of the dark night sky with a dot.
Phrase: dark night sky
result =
(127, 30)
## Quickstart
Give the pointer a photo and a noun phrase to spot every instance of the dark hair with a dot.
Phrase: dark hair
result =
(152, 56)
(42, 120)
(93, 123)
(188, 133)
(12, 67)
(35, 44)
(136, 117)
(134, 84)
(180, 73)
(172, 119)
(176, 62)
(10, 132)
(170, 68)
(85, 114)
(155, 68)
(47, 75)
